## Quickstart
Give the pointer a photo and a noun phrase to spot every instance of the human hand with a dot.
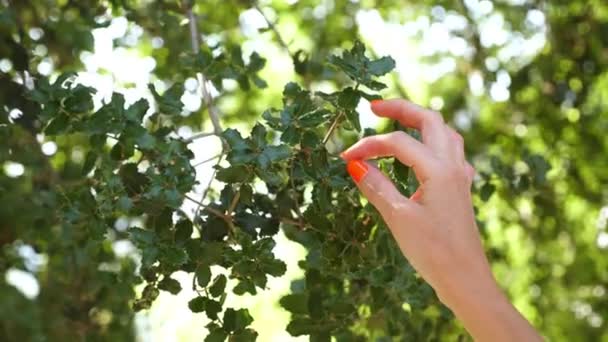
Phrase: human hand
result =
(435, 228)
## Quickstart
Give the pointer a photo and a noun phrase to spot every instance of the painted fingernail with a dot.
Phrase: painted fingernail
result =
(343, 155)
(374, 102)
(357, 169)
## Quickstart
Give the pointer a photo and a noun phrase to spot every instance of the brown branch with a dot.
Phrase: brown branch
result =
(199, 136)
(214, 114)
(235, 201)
(206, 160)
(333, 127)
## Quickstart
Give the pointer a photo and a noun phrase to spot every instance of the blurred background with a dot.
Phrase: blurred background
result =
(524, 81)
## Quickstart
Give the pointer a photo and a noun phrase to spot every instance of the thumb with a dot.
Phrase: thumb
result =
(377, 188)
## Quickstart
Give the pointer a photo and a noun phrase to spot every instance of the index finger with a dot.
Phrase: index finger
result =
(429, 123)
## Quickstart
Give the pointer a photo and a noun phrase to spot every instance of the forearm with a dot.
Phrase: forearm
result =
(488, 315)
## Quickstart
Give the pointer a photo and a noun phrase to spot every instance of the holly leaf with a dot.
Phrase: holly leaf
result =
(296, 303)
(236, 320)
(219, 285)
(170, 285)
(361, 69)
(197, 304)
(203, 275)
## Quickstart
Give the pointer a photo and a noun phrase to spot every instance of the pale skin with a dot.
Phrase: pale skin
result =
(435, 228)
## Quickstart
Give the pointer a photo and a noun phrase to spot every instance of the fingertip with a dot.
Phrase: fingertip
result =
(374, 103)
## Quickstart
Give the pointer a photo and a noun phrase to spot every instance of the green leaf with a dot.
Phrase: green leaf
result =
(146, 141)
(258, 136)
(170, 285)
(273, 154)
(212, 308)
(348, 98)
(89, 162)
(124, 203)
(353, 117)
(246, 335)
(274, 267)
(183, 231)
(219, 285)
(203, 275)
(170, 102)
(360, 68)
(216, 335)
(59, 125)
(135, 113)
(142, 236)
(486, 191)
(174, 256)
(150, 293)
(300, 326)
(295, 303)
(234, 174)
(197, 304)
(236, 320)
(382, 66)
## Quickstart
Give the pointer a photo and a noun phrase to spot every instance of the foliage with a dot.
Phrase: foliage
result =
(538, 191)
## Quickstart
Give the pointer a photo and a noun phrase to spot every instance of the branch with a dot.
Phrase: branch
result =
(209, 184)
(332, 128)
(273, 28)
(199, 136)
(235, 201)
(214, 115)
(205, 161)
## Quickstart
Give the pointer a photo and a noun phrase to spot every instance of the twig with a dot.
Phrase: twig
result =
(235, 201)
(209, 184)
(209, 209)
(214, 115)
(206, 96)
(293, 222)
(293, 188)
(206, 161)
(332, 128)
(199, 136)
(273, 28)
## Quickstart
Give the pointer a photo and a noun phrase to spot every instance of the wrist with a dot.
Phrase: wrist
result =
(472, 296)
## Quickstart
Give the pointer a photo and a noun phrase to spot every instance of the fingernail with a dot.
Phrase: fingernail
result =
(343, 155)
(374, 102)
(357, 169)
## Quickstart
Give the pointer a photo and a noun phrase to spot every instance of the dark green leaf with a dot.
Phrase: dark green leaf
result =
(295, 303)
(170, 285)
(203, 275)
(197, 304)
(219, 285)
(183, 231)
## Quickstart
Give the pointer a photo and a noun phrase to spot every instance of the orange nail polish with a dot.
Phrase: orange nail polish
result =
(374, 102)
(357, 169)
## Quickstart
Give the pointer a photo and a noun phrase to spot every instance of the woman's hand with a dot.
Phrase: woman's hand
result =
(435, 228)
